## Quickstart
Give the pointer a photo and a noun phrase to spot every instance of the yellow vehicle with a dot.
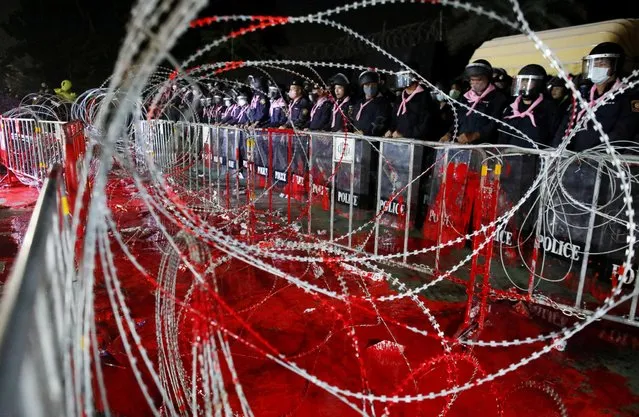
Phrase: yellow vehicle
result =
(569, 44)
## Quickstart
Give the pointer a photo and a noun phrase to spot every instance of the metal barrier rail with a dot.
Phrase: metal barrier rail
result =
(29, 148)
(35, 320)
(356, 180)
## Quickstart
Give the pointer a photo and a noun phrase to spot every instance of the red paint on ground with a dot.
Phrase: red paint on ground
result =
(313, 332)
(16, 205)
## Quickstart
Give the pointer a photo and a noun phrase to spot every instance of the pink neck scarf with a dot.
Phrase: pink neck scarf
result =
(255, 100)
(242, 112)
(279, 103)
(336, 109)
(290, 106)
(317, 105)
(593, 102)
(402, 106)
(528, 112)
(474, 99)
(361, 107)
(230, 109)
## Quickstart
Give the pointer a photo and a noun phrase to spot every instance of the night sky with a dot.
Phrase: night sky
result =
(49, 40)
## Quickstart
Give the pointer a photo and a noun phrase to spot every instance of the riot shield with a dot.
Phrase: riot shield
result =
(451, 195)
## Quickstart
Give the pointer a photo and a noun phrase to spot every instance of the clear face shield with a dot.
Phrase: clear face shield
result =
(527, 85)
(403, 79)
(273, 92)
(253, 82)
(599, 68)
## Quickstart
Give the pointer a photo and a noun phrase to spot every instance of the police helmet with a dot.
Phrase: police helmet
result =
(256, 82)
(273, 91)
(606, 55)
(530, 81)
(479, 68)
(499, 74)
(368, 77)
(339, 79)
(298, 83)
(556, 82)
(403, 79)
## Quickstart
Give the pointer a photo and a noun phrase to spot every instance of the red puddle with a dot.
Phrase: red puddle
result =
(314, 333)
(16, 205)
(17, 196)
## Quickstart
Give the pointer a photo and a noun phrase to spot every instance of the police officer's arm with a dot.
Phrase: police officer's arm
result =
(503, 138)
(392, 123)
(497, 107)
(558, 136)
(627, 123)
(460, 123)
(262, 112)
(382, 121)
(325, 115)
(282, 119)
(304, 115)
(423, 128)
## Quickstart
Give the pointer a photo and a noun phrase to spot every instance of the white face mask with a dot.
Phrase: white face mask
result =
(241, 102)
(599, 75)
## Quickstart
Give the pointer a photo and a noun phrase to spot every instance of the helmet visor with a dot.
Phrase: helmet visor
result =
(403, 79)
(526, 85)
(594, 67)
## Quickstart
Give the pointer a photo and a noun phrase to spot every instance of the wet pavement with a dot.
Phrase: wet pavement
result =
(596, 375)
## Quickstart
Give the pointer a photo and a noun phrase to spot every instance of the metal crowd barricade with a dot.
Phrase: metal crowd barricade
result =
(372, 195)
(36, 326)
(29, 147)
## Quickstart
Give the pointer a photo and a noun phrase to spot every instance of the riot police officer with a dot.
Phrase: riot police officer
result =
(371, 116)
(502, 80)
(258, 113)
(277, 110)
(298, 108)
(414, 112)
(218, 108)
(619, 117)
(343, 106)
(559, 93)
(232, 110)
(242, 117)
(483, 97)
(531, 113)
(321, 110)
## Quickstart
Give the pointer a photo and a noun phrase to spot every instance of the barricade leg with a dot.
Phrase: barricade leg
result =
(479, 283)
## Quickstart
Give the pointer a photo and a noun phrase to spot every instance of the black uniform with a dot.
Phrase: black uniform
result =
(372, 116)
(230, 114)
(542, 132)
(493, 105)
(218, 112)
(341, 108)
(321, 114)
(299, 113)
(619, 119)
(277, 113)
(416, 118)
(259, 110)
(241, 117)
